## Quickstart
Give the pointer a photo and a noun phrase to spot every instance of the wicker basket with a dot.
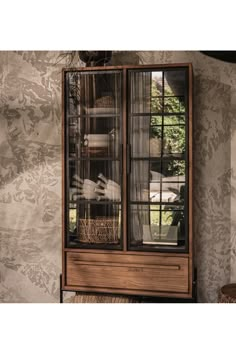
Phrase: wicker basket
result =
(100, 230)
(107, 230)
(104, 102)
(87, 230)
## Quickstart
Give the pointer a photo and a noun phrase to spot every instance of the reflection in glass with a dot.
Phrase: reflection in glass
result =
(156, 104)
(174, 138)
(155, 141)
(161, 227)
(158, 140)
(174, 120)
(156, 91)
(108, 92)
(156, 120)
(96, 93)
(95, 180)
(168, 167)
(91, 137)
(72, 218)
(94, 149)
(101, 145)
(157, 130)
(157, 187)
(174, 91)
(173, 104)
(173, 167)
(72, 107)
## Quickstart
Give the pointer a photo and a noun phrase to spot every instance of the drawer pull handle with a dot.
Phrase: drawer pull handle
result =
(127, 265)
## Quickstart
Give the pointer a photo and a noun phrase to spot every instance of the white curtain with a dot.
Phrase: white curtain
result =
(140, 86)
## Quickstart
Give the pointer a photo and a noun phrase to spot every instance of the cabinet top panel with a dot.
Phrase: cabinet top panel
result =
(121, 67)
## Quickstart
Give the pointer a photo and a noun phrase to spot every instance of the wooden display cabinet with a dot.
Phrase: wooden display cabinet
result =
(127, 187)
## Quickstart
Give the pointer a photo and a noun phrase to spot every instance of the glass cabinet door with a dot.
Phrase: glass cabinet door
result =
(93, 158)
(157, 134)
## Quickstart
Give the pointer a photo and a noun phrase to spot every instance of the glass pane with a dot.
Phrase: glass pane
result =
(140, 136)
(95, 93)
(73, 138)
(95, 224)
(157, 134)
(93, 137)
(139, 217)
(155, 131)
(152, 226)
(174, 138)
(72, 218)
(153, 140)
(156, 91)
(148, 184)
(95, 97)
(73, 93)
(173, 104)
(94, 180)
(145, 99)
(167, 181)
(171, 167)
(95, 164)
(140, 92)
(156, 120)
(156, 142)
(101, 137)
(149, 140)
(72, 107)
(174, 91)
(174, 120)
(149, 95)
(139, 181)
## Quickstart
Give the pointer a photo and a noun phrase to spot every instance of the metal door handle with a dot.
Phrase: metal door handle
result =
(128, 159)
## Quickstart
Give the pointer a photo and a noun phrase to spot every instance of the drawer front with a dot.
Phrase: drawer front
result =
(132, 272)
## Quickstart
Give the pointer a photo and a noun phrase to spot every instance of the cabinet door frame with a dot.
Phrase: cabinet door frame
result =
(187, 248)
(65, 155)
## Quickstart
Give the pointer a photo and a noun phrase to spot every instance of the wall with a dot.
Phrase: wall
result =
(30, 171)
(233, 179)
(30, 177)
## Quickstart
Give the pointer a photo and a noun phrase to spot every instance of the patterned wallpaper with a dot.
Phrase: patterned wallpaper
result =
(30, 177)
(30, 171)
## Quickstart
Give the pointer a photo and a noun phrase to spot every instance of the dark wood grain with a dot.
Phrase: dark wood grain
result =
(97, 251)
(190, 176)
(136, 273)
(63, 175)
(124, 67)
(124, 177)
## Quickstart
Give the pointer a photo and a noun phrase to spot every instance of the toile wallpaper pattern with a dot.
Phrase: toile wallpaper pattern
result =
(30, 171)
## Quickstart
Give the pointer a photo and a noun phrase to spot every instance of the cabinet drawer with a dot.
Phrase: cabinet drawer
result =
(135, 273)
